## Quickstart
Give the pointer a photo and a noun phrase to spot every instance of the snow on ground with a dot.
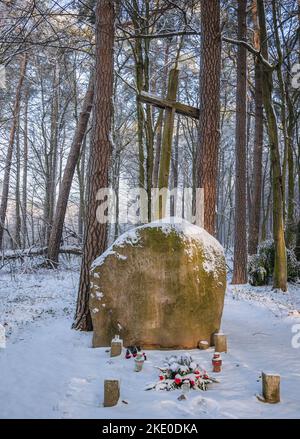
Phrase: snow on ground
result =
(35, 296)
(50, 371)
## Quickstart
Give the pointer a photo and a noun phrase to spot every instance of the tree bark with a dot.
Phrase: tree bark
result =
(62, 202)
(25, 172)
(17, 238)
(297, 248)
(291, 181)
(283, 102)
(292, 120)
(54, 147)
(139, 72)
(81, 171)
(148, 122)
(255, 216)
(240, 224)
(280, 265)
(209, 121)
(100, 154)
(51, 158)
(8, 159)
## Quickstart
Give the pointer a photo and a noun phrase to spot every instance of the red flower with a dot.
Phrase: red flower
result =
(192, 382)
(178, 381)
(161, 377)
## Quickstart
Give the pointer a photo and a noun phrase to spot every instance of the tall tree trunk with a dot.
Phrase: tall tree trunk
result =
(96, 233)
(282, 91)
(25, 172)
(17, 238)
(53, 149)
(266, 203)
(291, 190)
(51, 159)
(139, 72)
(254, 225)
(280, 265)
(297, 248)
(209, 121)
(81, 178)
(116, 187)
(290, 228)
(230, 199)
(221, 196)
(148, 121)
(240, 224)
(62, 202)
(249, 169)
(8, 159)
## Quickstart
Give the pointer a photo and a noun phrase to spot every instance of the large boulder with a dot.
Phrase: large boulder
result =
(160, 285)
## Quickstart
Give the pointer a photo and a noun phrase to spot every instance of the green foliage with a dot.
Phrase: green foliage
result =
(261, 265)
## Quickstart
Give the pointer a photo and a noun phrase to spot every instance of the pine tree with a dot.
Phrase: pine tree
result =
(100, 154)
(209, 122)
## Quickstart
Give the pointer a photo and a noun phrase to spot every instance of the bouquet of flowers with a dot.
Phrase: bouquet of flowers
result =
(182, 373)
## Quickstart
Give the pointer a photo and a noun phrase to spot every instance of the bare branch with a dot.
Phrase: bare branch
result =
(251, 49)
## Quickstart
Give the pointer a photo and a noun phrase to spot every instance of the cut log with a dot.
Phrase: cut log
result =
(184, 109)
(271, 387)
(220, 341)
(111, 392)
(2, 337)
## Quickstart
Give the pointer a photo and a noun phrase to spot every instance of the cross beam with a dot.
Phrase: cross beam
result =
(185, 110)
(171, 106)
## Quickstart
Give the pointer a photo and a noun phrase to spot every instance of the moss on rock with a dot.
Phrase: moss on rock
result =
(161, 285)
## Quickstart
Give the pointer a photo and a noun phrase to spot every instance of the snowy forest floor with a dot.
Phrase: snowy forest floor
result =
(50, 371)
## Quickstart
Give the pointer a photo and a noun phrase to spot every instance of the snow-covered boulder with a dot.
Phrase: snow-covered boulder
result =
(160, 285)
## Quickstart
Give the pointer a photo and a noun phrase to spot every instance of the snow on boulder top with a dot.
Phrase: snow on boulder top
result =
(157, 273)
(187, 230)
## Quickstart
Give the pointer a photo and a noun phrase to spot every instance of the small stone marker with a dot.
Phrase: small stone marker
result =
(270, 388)
(220, 340)
(116, 346)
(203, 344)
(111, 392)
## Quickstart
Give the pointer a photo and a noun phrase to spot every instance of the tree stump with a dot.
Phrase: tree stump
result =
(220, 340)
(203, 344)
(111, 392)
(116, 346)
(271, 387)
(2, 337)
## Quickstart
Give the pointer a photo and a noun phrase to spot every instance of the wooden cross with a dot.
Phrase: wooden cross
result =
(185, 110)
(171, 106)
